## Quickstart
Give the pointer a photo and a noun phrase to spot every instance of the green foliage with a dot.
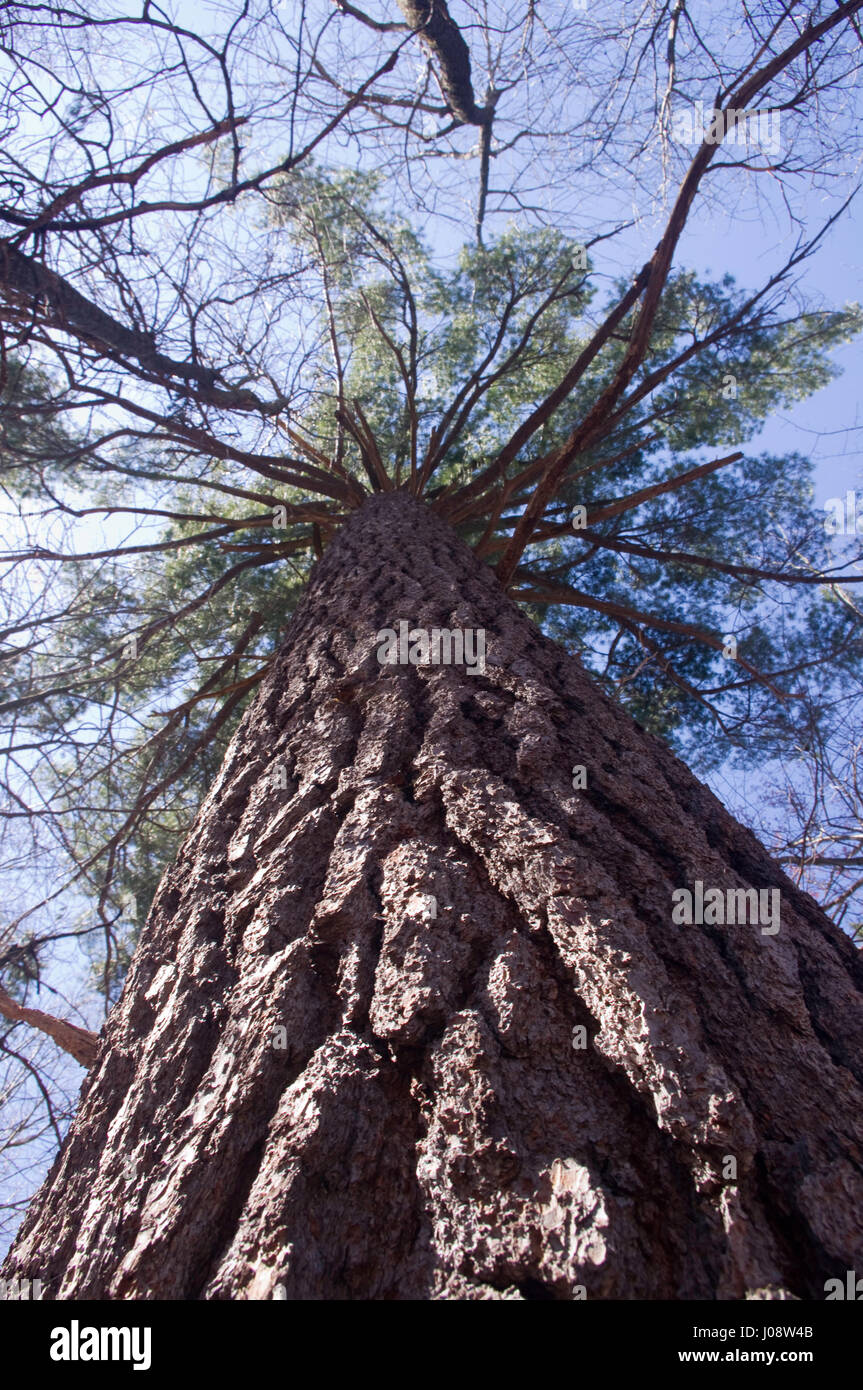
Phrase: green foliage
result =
(34, 444)
(495, 330)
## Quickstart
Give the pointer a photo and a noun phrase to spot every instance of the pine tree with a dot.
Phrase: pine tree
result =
(460, 983)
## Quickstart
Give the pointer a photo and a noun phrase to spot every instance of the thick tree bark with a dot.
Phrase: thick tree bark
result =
(394, 869)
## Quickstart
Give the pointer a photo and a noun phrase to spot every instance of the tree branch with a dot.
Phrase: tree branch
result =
(78, 1042)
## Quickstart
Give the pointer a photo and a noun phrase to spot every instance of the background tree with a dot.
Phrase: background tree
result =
(819, 830)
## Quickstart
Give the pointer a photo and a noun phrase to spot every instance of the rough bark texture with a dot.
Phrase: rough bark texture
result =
(429, 1130)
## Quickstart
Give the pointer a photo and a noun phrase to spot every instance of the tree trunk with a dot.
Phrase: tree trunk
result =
(346, 1063)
